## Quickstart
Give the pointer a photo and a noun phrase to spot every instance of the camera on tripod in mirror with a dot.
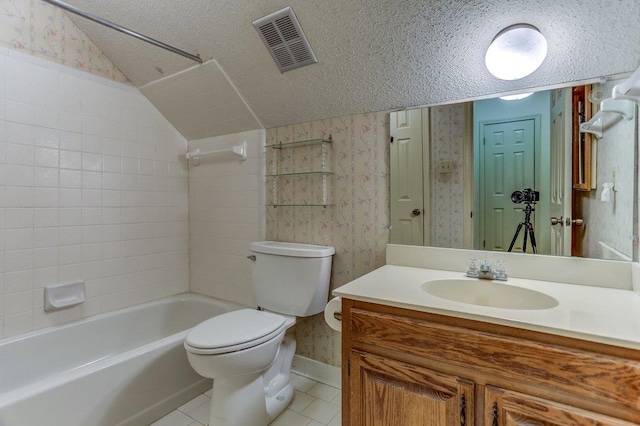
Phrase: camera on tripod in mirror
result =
(527, 195)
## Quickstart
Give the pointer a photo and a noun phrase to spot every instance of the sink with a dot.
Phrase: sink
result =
(488, 293)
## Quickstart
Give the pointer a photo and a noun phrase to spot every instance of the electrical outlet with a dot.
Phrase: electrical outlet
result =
(445, 166)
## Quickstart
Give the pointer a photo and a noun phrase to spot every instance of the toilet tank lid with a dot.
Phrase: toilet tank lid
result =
(292, 249)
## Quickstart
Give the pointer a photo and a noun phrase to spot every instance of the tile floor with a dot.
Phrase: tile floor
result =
(314, 404)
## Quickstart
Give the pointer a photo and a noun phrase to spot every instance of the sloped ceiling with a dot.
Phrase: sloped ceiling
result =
(201, 102)
(373, 54)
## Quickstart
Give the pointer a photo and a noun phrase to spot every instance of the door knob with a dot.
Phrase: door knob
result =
(556, 221)
(416, 212)
(577, 222)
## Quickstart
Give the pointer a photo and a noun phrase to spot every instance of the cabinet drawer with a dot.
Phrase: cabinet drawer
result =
(597, 378)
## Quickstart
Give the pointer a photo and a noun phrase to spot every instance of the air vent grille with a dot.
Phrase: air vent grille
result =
(299, 51)
(270, 34)
(283, 36)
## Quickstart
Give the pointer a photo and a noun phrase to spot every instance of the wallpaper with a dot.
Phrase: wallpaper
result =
(447, 197)
(43, 30)
(357, 224)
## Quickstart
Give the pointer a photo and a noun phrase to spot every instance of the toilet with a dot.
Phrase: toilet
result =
(248, 353)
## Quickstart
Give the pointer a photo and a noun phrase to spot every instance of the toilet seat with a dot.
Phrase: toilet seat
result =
(234, 331)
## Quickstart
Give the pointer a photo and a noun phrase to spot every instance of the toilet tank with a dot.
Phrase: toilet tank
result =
(291, 278)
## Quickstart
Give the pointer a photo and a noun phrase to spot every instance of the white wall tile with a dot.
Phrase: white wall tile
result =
(74, 195)
(221, 227)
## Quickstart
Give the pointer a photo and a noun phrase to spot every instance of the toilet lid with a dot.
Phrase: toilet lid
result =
(235, 330)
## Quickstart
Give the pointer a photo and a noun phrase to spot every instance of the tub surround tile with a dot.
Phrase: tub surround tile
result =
(74, 197)
(226, 213)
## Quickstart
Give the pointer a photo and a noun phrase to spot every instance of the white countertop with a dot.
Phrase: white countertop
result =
(590, 313)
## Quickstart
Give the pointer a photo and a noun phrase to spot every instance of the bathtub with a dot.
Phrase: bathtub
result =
(126, 367)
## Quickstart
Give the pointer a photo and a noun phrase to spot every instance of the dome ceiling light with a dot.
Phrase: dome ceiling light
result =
(516, 52)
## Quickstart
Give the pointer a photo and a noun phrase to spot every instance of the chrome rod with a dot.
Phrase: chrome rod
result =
(106, 23)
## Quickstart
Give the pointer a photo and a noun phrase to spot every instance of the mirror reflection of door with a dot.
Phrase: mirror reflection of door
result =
(409, 131)
(507, 164)
(600, 227)
(560, 198)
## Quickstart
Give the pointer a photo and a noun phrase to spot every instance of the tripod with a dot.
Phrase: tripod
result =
(529, 228)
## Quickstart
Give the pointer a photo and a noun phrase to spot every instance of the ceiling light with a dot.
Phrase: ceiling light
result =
(516, 52)
(516, 97)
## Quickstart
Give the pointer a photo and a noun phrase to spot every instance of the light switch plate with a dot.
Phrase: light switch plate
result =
(445, 166)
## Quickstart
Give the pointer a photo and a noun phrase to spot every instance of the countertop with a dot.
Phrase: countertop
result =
(597, 314)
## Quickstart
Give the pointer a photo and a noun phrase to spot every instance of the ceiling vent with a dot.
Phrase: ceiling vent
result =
(285, 40)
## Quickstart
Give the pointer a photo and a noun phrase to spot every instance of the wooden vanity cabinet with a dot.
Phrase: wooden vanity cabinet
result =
(403, 367)
(389, 392)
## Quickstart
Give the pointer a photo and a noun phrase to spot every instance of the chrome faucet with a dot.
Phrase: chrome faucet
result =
(485, 272)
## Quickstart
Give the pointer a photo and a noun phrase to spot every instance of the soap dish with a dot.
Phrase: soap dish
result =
(61, 296)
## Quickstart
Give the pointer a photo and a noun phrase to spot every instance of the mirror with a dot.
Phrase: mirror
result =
(482, 156)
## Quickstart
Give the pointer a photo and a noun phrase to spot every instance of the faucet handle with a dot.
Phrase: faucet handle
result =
(472, 268)
(500, 270)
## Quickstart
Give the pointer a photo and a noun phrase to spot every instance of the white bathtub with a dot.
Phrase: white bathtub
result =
(126, 367)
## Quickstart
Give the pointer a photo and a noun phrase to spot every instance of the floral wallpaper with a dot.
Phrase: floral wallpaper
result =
(43, 30)
(447, 197)
(357, 224)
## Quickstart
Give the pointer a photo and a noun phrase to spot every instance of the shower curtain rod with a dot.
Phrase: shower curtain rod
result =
(106, 23)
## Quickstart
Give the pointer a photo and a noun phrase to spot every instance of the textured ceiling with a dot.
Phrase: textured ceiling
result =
(373, 54)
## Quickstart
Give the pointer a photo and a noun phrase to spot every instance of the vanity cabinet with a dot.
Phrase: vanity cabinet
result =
(506, 408)
(406, 367)
(389, 392)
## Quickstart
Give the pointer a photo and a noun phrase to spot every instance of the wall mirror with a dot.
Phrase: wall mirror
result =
(460, 174)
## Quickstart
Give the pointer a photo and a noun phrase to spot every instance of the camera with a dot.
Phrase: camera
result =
(527, 195)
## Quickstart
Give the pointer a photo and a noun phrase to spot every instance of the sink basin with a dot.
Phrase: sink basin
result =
(489, 293)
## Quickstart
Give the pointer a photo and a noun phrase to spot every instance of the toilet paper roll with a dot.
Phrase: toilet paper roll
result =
(333, 310)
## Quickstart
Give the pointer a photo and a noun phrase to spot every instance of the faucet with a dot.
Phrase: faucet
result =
(485, 272)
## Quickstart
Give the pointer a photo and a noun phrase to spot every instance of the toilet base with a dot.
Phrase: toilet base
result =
(255, 399)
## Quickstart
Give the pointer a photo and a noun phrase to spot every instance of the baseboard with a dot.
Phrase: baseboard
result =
(316, 370)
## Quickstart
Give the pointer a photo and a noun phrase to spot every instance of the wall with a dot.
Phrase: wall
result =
(447, 192)
(43, 30)
(226, 213)
(356, 225)
(91, 188)
(612, 222)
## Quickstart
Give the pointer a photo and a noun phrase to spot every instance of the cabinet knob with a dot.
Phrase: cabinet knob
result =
(415, 212)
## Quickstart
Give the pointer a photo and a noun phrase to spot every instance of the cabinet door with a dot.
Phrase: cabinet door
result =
(385, 392)
(503, 407)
